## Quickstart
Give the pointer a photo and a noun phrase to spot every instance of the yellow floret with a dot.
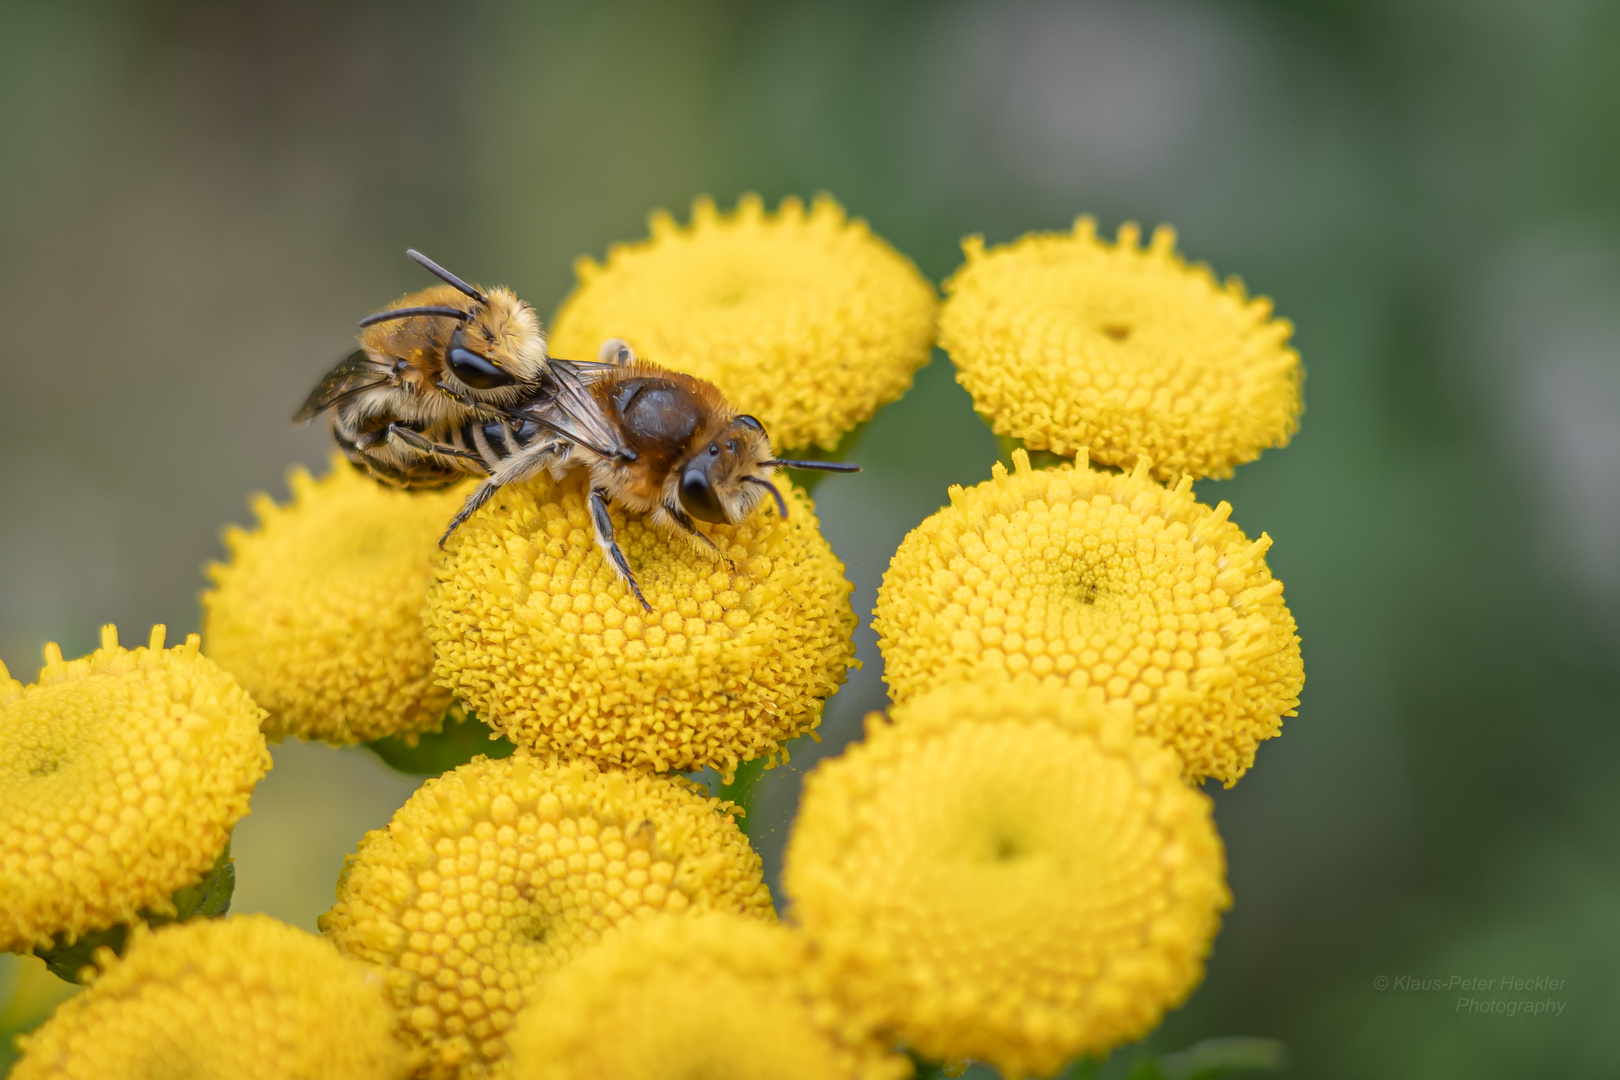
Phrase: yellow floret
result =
(805, 320)
(245, 998)
(121, 776)
(1074, 345)
(712, 996)
(495, 875)
(319, 610)
(536, 634)
(1105, 583)
(1007, 874)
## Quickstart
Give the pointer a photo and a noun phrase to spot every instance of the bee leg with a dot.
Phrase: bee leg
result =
(519, 466)
(616, 351)
(421, 443)
(684, 520)
(479, 497)
(604, 537)
(368, 439)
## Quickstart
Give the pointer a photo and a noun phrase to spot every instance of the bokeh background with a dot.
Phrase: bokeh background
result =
(197, 200)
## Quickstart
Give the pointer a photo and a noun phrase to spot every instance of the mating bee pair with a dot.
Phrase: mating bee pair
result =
(454, 381)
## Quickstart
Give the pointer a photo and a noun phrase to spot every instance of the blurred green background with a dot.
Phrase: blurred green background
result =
(197, 201)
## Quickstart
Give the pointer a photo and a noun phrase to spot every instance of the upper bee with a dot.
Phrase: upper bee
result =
(439, 355)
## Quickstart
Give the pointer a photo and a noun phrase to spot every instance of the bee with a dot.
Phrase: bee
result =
(653, 441)
(421, 403)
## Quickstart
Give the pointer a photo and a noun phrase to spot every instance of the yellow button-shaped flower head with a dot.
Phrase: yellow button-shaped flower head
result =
(493, 876)
(244, 998)
(121, 776)
(536, 633)
(711, 996)
(1105, 583)
(319, 610)
(1007, 874)
(805, 320)
(1074, 345)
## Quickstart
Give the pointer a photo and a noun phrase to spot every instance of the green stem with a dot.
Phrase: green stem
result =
(741, 791)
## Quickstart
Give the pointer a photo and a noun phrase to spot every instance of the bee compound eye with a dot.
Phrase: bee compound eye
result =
(476, 371)
(697, 496)
(749, 422)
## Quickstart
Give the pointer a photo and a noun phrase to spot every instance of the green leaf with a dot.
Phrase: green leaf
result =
(741, 790)
(1217, 1057)
(462, 738)
(209, 898)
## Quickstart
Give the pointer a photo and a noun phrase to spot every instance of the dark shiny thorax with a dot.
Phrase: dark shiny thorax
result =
(656, 417)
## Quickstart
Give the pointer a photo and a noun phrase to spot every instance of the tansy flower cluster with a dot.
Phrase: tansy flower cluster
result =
(318, 613)
(274, 1003)
(1008, 874)
(731, 997)
(537, 635)
(1071, 344)
(1015, 866)
(121, 776)
(1108, 584)
(803, 318)
(495, 875)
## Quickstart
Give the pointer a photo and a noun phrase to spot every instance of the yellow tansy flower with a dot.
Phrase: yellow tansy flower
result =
(121, 777)
(1008, 874)
(1074, 345)
(244, 998)
(1105, 583)
(496, 874)
(805, 320)
(711, 996)
(537, 635)
(319, 610)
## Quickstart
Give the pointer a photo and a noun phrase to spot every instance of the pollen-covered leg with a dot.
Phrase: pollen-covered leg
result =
(604, 536)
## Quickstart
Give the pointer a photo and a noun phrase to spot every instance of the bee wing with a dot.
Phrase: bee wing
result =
(572, 411)
(354, 373)
(584, 372)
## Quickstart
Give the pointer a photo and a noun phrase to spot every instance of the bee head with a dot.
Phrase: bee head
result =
(458, 343)
(725, 480)
(499, 345)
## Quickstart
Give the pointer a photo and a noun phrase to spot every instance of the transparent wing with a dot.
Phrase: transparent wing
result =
(571, 411)
(354, 373)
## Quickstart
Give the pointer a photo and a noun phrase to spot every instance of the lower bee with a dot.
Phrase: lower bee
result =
(654, 442)
(421, 403)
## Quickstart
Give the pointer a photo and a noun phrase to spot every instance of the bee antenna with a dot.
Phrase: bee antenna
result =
(446, 276)
(781, 503)
(818, 466)
(413, 312)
